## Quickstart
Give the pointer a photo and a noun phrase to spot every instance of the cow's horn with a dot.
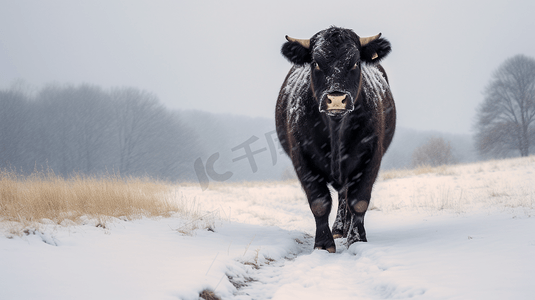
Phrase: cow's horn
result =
(303, 42)
(365, 40)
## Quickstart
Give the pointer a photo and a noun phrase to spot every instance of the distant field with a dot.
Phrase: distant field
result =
(495, 184)
(47, 198)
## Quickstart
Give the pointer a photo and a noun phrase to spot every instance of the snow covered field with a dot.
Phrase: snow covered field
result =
(457, 232)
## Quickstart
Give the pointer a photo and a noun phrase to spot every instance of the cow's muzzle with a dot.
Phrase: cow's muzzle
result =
(337, 104)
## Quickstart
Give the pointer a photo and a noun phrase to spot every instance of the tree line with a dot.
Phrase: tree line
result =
(85, 129)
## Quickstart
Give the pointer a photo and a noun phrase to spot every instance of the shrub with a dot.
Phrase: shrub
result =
(435, 152)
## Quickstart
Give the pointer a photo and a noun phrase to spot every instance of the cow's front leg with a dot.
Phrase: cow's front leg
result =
(356, 232)
(343, 217)
(358, 205)
(321, 208)
(319, 199)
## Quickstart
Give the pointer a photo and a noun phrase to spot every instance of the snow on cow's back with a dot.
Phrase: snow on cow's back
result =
(374, 83)
(297, 84)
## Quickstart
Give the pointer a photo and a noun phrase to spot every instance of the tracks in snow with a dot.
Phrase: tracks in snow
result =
(364, 270)
(264, 278)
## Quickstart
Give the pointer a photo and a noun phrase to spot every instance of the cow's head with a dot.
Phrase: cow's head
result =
(335, 56)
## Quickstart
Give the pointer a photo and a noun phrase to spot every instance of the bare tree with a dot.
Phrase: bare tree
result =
(13, 126)
(73, 125)
(435, 152)
(52, 130)
(506, 118)
(138, 114)
(150, 139)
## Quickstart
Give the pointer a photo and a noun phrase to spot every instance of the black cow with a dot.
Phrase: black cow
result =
(335, 118)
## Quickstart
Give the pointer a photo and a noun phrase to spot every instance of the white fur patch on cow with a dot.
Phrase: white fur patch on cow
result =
(374, 84)
(296, 86)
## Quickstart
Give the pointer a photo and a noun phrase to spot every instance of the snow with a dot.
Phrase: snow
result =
(459, 232)
(374, 84)
(297, 84)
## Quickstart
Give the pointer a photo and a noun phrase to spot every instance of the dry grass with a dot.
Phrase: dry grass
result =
(444, 170)
(46, 197)
(495, 184)
(206, 221)
(208, 295)
(220, 186)
(394, 173)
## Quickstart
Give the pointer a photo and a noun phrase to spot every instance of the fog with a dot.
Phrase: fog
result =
(223, 57)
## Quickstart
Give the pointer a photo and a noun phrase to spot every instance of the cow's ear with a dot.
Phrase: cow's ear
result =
(297, 51)
(375, 50)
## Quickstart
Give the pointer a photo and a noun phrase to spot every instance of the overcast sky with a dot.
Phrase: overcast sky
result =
(224, 56)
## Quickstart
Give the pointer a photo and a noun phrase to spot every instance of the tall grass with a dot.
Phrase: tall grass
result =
(46, 196)
(422, 169)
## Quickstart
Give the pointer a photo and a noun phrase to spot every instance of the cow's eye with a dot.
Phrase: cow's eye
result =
(316, 66)
(357, 64)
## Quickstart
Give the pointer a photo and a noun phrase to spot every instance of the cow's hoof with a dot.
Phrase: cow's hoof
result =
(352, 240)
(337, 236)
(330, 249)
